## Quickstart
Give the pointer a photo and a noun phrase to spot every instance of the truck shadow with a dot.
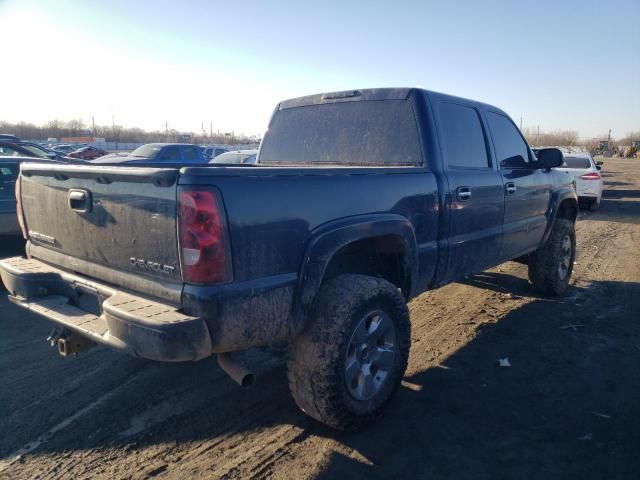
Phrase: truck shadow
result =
(621, 206)
(566, 408)
(464, 418)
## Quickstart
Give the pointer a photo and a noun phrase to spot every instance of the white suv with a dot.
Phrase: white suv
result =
(587, 175)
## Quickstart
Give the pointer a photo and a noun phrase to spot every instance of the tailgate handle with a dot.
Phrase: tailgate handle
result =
(80, 200)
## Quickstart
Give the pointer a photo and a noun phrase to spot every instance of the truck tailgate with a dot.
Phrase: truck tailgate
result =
(110, 219)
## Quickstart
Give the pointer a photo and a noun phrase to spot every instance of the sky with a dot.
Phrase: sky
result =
(562, 65)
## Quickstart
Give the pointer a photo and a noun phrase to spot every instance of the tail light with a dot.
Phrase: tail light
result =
(19, 212)
(590, 176)
(204, 247)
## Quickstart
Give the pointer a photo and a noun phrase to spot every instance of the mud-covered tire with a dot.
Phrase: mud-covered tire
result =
(550, 267)
(317, 358)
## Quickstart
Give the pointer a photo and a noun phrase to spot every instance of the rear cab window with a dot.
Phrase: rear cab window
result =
(353, 133)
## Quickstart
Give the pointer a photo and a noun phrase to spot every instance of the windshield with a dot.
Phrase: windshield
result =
(147, 151)
(576, 162)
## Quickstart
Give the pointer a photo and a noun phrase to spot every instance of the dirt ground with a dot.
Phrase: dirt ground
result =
(567, 407)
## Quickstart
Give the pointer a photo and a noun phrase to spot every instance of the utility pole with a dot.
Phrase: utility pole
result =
(210, 130)
(520, 123)
(538, 139)
(113, 127)
(166, 129)
(93, 122)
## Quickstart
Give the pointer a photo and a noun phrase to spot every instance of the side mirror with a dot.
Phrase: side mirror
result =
(598, 167)
(52, 155)
(550, 157)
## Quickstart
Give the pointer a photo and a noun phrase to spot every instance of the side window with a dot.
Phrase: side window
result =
(169, 154)
(190, 154)
(463, 137)
(506, 138)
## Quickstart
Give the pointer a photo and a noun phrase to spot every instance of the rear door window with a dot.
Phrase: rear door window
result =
(506, 138)
(463, 136)
(359, 133)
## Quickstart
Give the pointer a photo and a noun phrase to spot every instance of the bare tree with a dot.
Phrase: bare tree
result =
(116, 133)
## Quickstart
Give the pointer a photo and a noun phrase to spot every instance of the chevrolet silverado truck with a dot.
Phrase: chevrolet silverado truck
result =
(359, 201)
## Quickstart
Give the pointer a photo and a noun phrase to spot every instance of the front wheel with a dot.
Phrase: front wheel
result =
(350, 360)
(550, 266)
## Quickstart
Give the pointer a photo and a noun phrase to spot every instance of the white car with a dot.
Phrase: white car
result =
(588, 179)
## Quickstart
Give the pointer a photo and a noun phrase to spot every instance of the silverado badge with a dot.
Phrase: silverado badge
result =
(41, 237)
(149, 265)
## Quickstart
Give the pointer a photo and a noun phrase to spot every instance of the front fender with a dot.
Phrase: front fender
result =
(327, 239)
(557, 198)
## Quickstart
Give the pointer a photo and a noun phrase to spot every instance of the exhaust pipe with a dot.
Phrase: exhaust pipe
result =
(237, 372)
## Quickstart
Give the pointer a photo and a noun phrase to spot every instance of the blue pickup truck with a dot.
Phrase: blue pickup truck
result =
(359, 201)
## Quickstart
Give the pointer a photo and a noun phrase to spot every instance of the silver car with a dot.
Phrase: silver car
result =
(587, 176)
(247, 157)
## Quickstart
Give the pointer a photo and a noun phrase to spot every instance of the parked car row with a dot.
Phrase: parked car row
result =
(210, 152)
(152, 152)
(87, 153)
(19, 148)
(64, 148)
(247, 157)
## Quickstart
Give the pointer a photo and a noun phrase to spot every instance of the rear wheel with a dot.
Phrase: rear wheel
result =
(550, 267)
(346, 366)
(594, 205)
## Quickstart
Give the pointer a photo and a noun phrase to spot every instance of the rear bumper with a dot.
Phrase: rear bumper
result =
(129, 323)
(589, 188)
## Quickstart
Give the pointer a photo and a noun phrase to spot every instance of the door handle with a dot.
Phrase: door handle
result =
(80, 201)
(510, 188)
(463, 193)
